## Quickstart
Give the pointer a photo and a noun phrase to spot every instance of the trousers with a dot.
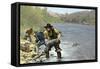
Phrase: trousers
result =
(53, 43)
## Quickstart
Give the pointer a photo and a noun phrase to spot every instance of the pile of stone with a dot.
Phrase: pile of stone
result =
(28, 51)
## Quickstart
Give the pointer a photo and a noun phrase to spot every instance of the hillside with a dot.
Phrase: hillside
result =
(35, 17)
(83, 17)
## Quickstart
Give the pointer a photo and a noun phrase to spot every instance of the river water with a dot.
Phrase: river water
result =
(77, 42)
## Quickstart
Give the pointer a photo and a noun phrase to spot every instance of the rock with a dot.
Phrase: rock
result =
(75, 44)
(28, 51)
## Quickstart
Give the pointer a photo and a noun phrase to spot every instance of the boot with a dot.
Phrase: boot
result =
(59, 55)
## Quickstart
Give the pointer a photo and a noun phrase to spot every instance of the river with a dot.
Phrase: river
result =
(77, 42)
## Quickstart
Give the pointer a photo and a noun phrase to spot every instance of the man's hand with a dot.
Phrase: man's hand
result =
(46, 41)
(59, 35)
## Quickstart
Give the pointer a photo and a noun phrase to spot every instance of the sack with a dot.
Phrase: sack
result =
(40, 38)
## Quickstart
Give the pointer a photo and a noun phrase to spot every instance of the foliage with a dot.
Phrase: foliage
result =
(35, 17)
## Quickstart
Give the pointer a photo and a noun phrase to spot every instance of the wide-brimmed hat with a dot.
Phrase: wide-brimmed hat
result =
(48, 26)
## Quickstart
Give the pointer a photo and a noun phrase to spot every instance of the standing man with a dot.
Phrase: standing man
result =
(52, 39)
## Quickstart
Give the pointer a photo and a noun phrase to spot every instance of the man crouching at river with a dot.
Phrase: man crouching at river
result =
(52, 39)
